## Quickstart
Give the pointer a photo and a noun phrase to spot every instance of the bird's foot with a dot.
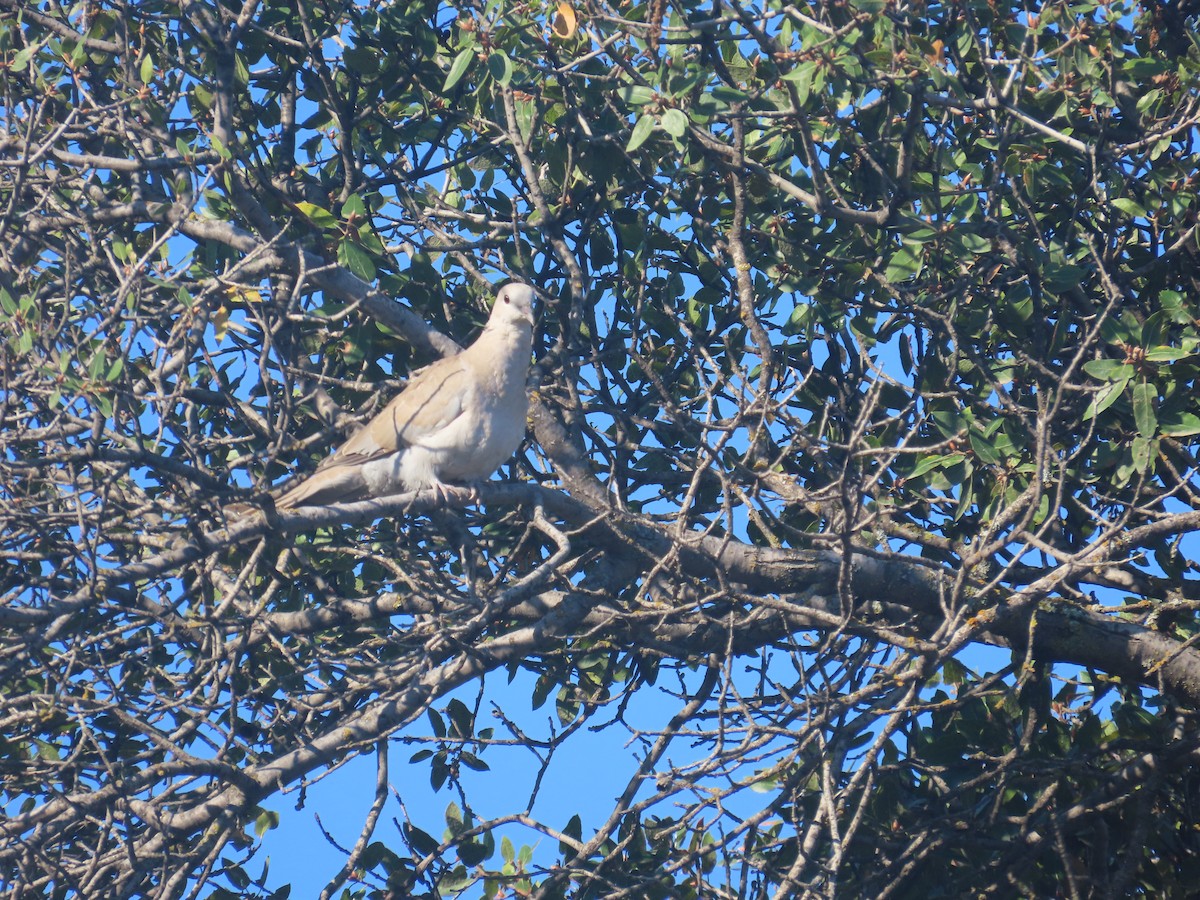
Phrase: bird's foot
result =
(445, 491)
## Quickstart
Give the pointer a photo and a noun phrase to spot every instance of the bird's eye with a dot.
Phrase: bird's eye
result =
(506, 300)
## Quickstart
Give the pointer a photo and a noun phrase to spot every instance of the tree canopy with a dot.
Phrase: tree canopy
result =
(868, 335)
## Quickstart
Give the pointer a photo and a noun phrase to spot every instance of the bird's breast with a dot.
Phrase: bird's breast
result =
(476, 443)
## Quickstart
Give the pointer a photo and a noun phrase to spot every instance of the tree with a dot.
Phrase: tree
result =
(868, 336)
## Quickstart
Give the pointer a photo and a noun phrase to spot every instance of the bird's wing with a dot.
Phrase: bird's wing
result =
(432, 399)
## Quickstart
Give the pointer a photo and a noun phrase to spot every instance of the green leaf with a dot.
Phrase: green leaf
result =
(985, 450)
(369, 240)
(729, 95)
(574, 830)
(236, 874)
(356, 259)
(974, 243)
(1144, 396)
(966, 498)
(241, 71)
(422, 842)
(1121, 330)
(641, 131)
(566, 705)
(1129, 207)
(675, 123)
(436, 723)
(541, 691)
(954, 672)
(526, 111)
(1108, 369)
(1179, 425)
(1142, 452)
(458, 68)
(904, 264)
(637, 95)
(1173, 307)
(765, 785)
(455, 881)
(802, 314)
(927, 463)
(363, 60)
(266, 821)
(203, 96)
(97, 366)
(1149, 99)
(461, 720)
(472, 853)
(1105, 398)
(501, 67)
(1063, 277)
(802, 77)
(354, 206)
(24, 55)
(1166, 354)
(318, 215)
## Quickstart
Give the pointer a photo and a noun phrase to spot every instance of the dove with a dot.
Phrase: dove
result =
(456, 420)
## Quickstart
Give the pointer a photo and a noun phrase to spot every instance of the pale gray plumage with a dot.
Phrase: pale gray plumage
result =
(456, 420)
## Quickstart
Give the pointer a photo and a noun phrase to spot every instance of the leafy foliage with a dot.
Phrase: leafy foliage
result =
(868, 336)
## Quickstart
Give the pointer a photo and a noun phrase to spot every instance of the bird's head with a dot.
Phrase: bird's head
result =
(514, 303)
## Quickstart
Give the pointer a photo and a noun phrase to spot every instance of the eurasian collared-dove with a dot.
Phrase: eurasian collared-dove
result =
(456, 420)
